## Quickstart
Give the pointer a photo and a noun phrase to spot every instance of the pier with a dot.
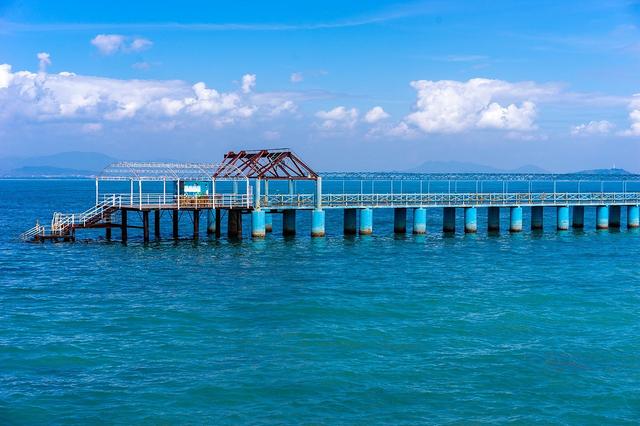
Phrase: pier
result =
(252, 186)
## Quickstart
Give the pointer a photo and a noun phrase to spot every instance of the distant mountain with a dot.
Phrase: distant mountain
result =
(463, 167)
(59, 165)
(612, 171)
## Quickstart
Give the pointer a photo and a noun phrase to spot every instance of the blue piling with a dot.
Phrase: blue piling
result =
(268, 222)
(537, 218)
(449, 219)
(614, 217)
(350, 221)
(366, 221)
(289, 222)
(470, 220)
(317, 223)
(257, 224)
(493, 219)
(633, 217)
(562, 218)
(578, 217)
(399, 220)
(420, 220)
(515, 219)
(602, 217)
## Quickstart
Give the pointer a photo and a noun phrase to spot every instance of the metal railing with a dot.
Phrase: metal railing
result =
(160, 200)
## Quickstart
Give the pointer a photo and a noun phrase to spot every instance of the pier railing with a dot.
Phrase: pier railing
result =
(160, 200)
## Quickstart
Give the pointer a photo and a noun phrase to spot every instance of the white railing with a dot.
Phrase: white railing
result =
(451, 199)
(160, 200)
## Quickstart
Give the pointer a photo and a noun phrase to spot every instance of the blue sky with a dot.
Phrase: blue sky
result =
(349, 85)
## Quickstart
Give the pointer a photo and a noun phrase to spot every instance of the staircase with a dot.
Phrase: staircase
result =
(63, 225)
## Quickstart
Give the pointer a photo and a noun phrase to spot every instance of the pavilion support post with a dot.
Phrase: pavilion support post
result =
(145, 226)
(175, 219)
(196, 224)
(123, 226)
(156, 224)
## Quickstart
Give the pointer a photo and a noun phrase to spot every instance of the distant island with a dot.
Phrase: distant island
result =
(78, 164)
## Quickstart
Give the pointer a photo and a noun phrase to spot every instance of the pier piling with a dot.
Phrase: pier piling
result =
(268, 222)
(350, 221)
(515, 219)
(419, 220)
(449, 219)
(578, 217)
(145, 225)
(602, 217)
(614, 217)
(234, 227)
(537, 218)
(175, 220)
(562, 218)
(366, 221)
(317, 223)
(493, 219)
(399, 220)
(289, 222)
(196, 224)
(211, 224)
(156, 224)
(470, 220)
(258, 224)
(633, 217)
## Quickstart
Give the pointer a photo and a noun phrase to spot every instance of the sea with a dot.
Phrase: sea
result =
(528, 328)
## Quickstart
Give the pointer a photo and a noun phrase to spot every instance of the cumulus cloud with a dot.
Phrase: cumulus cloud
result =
(66, 97)
(338, 117)
(44, 60)
(375, 114)
(634, 116)
(109, 44)
(248, 82)
(601, 127)
(447, 106)
(296, 77)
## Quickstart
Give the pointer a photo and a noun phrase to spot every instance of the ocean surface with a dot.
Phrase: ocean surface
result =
(527, 328)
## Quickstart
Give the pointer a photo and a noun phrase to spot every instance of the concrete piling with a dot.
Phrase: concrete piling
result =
(449, 219)
(350, 221)
(493, 219)
(218, 220)
(289, 222)
(317, 223)
(602, 217)
(537, 218)
(578, 217)
(123, 226)
(614, 217)
(366, 221)
(419, 220)
(633, 217)
(562, 218)
(258, 224)
(400, 220)
(470, 220)
(515, 219)
(156, 224)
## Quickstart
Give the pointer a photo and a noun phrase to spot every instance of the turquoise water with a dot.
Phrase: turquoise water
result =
(528, 328)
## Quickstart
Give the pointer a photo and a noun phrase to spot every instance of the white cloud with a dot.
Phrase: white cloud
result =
(296, 77)
(375, 114)
(338, 117)
(634, 117)
(91, 127)
(248, 82)
(109, 44)
(448, 106)
(44, 60)
(601, 127)
(69, 97)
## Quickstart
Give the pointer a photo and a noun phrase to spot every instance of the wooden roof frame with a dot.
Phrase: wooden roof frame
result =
(270, 164)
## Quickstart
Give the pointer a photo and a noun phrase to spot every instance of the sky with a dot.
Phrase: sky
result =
(383, 85)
